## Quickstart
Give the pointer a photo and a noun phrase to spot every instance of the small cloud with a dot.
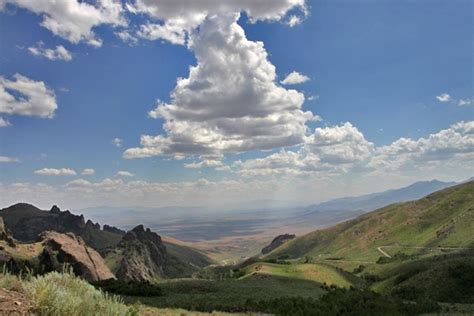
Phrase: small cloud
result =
(4, 122)
(313, 98)
(57, 53)
(295, 78)
(117, 142)
(88, 172)
(8, 159)
(124, 174)
(444, 97)
(55, 172)
(63, 89)
(293, 21)
(126, 37)
(465, 102)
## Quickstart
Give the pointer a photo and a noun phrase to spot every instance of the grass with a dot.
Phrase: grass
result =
(153, 311)
(321, 273)
(64, 294)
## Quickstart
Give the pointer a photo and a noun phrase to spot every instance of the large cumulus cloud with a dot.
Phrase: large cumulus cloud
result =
(230, 101)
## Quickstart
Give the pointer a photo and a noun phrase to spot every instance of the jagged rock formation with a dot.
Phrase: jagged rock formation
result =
(143, 255)
(27, 222)
(114, 230)
(5, 234)
(276, 242)
(62, 250)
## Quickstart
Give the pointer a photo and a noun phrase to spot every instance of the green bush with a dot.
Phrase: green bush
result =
(341, 302)
(129, 288)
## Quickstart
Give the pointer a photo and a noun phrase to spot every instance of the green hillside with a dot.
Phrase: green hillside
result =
(438, 222)
(321, 273)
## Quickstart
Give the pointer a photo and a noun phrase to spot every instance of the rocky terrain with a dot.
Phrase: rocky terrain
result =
(62, 250)
(27, 222)
(5, 234)
(276, 242)
(51, 240)
(143, 255)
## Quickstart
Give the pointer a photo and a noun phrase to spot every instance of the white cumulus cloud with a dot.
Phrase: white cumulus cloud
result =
(57, 53)
(55, 172)
(35, 99)
(8, 159)
(230, 101)
(124, 174)
(343, 148)
(88, 172)
(295, 78)
(74, 20)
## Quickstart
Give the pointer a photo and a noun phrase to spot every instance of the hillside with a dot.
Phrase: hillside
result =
(441, 219)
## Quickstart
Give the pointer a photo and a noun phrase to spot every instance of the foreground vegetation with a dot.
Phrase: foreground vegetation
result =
(64, 294)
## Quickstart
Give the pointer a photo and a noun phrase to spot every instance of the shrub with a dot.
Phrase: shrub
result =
(129, 288)
(64, 294)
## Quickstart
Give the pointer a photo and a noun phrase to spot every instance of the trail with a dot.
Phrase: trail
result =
(383, 252)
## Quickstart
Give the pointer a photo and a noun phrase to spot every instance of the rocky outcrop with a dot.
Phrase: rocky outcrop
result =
(5, 234)
(27, 222)
(144, 255)
(276, 242)
(62, 250)
(113, 230)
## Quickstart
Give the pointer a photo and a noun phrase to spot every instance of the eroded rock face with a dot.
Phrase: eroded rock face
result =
(143, 255)
(5, 234)
(61, 250)
(276, 242)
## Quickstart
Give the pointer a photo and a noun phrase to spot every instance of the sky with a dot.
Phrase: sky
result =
(220, 102)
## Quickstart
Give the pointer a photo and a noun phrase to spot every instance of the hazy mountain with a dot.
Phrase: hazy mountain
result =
(373, 201)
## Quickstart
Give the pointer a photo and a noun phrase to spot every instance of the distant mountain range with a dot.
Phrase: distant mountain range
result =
(200, 223)
(370, 202)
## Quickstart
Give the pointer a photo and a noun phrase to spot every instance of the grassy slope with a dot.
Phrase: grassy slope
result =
(321, 273)
(445, 278)
(444, 218)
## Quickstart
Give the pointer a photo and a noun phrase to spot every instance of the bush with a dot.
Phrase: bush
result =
(129, 288)
(341, 302)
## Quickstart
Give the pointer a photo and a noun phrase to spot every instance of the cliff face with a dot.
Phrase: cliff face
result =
(61, 250)
(5, 234)
(27, 222)
(143, 253)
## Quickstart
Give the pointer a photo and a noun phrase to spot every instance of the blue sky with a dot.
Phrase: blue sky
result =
(377, 64)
